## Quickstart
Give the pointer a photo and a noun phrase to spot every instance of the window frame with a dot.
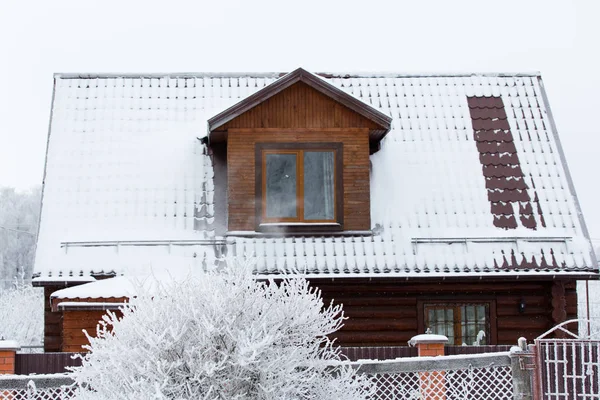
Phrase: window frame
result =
(490, 304)
(298, 225)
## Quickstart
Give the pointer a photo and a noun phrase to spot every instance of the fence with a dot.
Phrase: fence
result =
(44, 363)
(393, 352)
(37, 387)
(56, 363)
(570, 369)
(568, 365)
(563, 369)
(485, 376)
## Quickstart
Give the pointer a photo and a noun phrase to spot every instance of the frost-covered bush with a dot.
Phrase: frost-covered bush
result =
(22, 313)
(220, 335)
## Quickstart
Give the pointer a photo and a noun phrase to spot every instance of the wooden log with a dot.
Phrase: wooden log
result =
(367, 324)
(380, 312)
(508, 310)
(538, 323)
(396, 338)
(348, 300)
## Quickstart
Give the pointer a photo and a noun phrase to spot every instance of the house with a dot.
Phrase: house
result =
(438, 202)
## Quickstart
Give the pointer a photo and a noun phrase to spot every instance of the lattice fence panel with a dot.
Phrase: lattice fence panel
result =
(489, 383)
(32, 393)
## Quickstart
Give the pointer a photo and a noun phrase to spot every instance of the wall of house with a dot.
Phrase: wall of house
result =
(73, 324)
(298, 114)
(388, 313)
(52, 322)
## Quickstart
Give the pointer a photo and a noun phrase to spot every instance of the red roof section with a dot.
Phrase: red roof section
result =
(501, 167)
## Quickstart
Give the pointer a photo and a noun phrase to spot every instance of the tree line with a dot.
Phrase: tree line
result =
(19, 215)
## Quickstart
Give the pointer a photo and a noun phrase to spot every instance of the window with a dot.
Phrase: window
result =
(462, 323)
(299, 185)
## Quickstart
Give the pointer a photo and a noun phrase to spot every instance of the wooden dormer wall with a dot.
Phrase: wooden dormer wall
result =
(298, 114)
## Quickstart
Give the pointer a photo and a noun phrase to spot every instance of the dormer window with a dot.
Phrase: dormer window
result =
(299, 184)
(297, 154)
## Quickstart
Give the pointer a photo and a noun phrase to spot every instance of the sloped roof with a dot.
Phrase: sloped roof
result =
(129, 185)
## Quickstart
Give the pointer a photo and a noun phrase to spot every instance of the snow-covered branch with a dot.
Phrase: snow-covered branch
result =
(22, 313)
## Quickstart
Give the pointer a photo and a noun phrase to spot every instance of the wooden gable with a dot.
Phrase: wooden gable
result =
(300, 100)
(299, 106)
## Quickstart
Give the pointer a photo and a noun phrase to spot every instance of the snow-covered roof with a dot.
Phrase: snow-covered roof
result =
(464, 184)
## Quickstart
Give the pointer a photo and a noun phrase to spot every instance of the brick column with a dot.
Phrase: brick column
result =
(8, 350)
(432, 384)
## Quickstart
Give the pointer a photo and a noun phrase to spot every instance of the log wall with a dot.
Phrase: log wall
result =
(52, 322)
(387, 313)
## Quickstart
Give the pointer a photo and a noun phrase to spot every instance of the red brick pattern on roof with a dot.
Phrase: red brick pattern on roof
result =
(509, 262)
(504, 179)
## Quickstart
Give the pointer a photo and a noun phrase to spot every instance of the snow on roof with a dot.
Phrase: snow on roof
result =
(128, 285)
(128, 182)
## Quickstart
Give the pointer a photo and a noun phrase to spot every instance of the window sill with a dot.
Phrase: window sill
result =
(298, 227)
(290, 229)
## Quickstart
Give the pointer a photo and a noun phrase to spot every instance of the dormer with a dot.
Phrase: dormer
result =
(297, 155)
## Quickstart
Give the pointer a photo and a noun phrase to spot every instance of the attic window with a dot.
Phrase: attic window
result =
(299, 186)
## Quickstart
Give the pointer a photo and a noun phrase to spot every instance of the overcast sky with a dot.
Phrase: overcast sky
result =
(558, 38)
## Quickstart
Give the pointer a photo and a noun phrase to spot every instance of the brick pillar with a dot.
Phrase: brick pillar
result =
(8, 350)
(433, 383)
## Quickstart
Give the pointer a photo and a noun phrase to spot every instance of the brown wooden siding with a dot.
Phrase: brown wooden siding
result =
(387, 313)
(241, 171)
(52, 322)
(300, 106)
(73, 324)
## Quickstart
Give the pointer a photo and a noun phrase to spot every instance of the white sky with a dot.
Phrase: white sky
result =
(558, 38)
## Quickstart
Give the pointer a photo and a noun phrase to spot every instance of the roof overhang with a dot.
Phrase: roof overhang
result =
(301, 75)
(61, 281)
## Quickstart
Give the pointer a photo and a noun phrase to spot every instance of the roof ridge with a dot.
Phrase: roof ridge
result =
(343, 75)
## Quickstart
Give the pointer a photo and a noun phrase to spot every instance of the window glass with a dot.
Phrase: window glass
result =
(463, 324)
(299, 185)
(441, 321)
(281, 186)
(318, 185)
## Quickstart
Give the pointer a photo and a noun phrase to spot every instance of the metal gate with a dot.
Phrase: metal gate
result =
(568, 364)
